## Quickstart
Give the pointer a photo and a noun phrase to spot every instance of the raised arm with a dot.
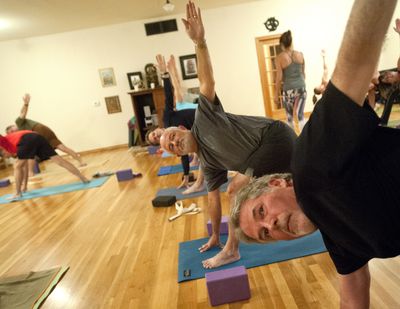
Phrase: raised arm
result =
(195, 30)
(397, 29)
(169, 98)
(361, 47)
(173, 73)
(24, 109)
(325, 68)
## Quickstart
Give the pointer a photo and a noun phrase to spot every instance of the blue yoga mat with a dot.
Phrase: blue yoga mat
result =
(173, 169)
(252, 255)
(96, 182)
(180, 196)
(166, 154)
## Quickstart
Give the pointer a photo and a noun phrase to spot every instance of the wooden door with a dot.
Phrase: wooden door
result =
(267, 49)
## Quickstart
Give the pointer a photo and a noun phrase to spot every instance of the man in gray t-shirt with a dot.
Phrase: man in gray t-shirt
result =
(247, 144)
(252, 146)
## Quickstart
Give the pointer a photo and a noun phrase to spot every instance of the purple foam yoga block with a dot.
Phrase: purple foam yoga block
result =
(228, 285)
(124, 175)
(36, 169)
(5, 182)
(153, 149)
(223, 227)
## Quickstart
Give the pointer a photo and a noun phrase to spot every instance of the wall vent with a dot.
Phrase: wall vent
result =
(161, 27)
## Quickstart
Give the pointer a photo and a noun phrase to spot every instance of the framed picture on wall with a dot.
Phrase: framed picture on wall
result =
(113, 105)
(135, 79)
(188, 66)
(107, 77)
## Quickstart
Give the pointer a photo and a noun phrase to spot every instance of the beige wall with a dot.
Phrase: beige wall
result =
(61, 71)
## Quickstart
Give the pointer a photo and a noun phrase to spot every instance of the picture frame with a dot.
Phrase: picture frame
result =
(135, 78)
(188, 66)
(107, 77)
(113, 105)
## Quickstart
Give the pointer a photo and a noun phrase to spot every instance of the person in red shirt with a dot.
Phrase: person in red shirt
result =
(26, 145)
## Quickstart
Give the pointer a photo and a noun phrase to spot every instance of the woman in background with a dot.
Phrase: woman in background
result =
(290, 71)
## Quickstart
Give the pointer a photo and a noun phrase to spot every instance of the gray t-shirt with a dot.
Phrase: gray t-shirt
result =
(225, 141)
(25, 123)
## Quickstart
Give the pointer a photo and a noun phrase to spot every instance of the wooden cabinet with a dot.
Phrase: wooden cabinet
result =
(153, 98)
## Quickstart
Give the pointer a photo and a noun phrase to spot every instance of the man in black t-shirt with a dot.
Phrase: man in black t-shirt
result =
(346, 169)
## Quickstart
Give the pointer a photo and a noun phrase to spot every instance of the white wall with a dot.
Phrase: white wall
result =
(61, 71)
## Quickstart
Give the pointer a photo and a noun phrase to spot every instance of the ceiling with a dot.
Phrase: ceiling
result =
(28, 18)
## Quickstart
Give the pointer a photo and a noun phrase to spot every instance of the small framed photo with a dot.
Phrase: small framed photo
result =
(135, 79)
(107, 77)
(113, 105)
(188, 66)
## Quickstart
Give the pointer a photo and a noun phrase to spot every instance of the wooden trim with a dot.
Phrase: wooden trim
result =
(263, 76)
(97, 150)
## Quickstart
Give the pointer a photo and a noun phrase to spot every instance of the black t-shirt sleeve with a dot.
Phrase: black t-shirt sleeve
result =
(345, 261)
(185, 164)
(338, 128)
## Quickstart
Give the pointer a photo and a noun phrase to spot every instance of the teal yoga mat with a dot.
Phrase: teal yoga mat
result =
(173, 169)
(96, 182)
(252, 255)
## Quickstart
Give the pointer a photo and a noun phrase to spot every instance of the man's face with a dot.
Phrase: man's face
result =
(390, 77)
(177, 141)
(274, 215)
(12, 129)
(154, 136)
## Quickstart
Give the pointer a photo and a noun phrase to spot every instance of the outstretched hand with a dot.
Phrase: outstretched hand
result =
(397, 28)
(26, 98)
(171, 63)
(161, 64)
(193, 23)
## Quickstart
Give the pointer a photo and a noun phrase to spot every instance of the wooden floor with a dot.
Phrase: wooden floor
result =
(123, 253)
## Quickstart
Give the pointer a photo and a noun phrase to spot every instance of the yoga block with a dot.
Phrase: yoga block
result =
(228, 285)
(223, 227)
(164, 201)
(36, 169)
(153, 149)
(4, 182)
(124, 175)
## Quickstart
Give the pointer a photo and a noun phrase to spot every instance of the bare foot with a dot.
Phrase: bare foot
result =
(212, 242)
(82, 164)
(222, 258)
(194, 188)
(14, 197)
(84, 179)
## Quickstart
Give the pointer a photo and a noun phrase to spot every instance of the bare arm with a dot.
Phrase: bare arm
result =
(24, 109)
(195, 30)
(325, 69)
(397, 29)
(361, 47)
(354, 289)
(173, 72)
